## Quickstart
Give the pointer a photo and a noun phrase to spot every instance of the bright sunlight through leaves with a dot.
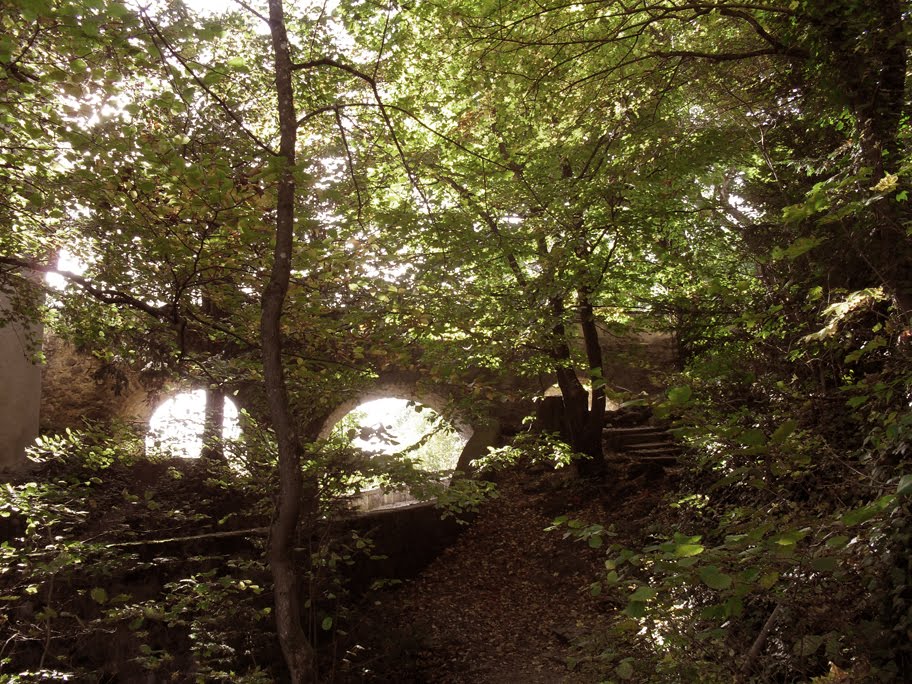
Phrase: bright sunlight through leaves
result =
(176, 427)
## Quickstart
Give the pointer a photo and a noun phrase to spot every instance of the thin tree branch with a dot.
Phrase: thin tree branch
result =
(199, 81)
(386, 18)
(371, 81)
(351, 166)
(106, 295)
(760, 641)
(252, 11)
(491, 222)
(259, 531)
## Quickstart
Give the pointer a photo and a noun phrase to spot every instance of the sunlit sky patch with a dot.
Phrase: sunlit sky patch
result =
(66, 261)
(383, 412)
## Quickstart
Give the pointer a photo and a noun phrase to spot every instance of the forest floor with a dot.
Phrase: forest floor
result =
(508, 601)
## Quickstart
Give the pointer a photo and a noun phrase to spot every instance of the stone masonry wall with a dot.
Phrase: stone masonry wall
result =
(77, 387)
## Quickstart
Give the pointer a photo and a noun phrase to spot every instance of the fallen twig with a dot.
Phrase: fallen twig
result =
(195, 537)
(760, 641)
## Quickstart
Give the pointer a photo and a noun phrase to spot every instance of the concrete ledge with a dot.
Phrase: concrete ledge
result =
(409, 537)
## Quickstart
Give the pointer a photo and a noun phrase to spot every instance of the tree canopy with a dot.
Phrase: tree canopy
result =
(284, 199)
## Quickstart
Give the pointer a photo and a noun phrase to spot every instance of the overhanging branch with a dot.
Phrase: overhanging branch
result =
(102, 294)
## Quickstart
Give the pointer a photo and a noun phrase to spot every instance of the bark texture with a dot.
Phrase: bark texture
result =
(583, 423)
(298, 652)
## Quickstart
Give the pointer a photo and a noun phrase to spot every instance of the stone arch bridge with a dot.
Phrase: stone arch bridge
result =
(74, 387)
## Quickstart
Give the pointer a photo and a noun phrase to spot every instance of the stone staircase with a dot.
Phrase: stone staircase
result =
(648, 449)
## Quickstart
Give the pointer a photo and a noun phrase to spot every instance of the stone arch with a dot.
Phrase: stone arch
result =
(20, 399)
(398, 388)
(554, 390)
(479, 433)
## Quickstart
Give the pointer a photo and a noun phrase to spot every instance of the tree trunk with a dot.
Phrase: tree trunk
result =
(213, 446)
(583, 425)
(595, 419)
(298, 652)
(873, 64)
(870, 52)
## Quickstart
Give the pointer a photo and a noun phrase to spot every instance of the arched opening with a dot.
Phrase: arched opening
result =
(396, 428)
(177, 426)
(390, 425)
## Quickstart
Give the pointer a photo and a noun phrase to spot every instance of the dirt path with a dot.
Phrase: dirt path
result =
(506, 601)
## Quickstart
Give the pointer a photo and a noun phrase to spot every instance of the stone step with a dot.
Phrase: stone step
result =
(632, 441)
(660, 458)
(647, 446)
(653, 449)
(638, 429)
(632, 437)
(644, 446)
(664, 454)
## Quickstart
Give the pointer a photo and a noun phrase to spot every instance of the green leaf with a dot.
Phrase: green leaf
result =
(327, 624)
(791, 537)
(865, 513)
(212, 77)
(734, 607)
(680, 395)
(687, 550)
(797, 248)
(753, 438)
(635, 609)
(714, 579)
(825, 564)
(117, 10)
(783, 432)
(855, 402)
(624, 670)
(595, 541)
(99, 595)
(837, 542)
(808, 645)
(643, 593)
(904, 487)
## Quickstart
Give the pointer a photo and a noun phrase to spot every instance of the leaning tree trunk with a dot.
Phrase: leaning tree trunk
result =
(871, 52)
(877, 94)
(298, 652)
